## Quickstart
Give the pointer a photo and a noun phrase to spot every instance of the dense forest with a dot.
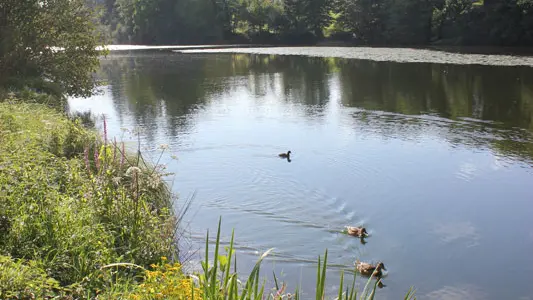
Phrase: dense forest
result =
(374, 22)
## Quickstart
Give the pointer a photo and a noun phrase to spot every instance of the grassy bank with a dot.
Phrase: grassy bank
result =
(82, 219)
(72, 204)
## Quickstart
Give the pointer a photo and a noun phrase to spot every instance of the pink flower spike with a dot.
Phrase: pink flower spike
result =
(105, 131)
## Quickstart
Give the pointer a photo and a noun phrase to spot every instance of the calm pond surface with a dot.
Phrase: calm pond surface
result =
(435, 160)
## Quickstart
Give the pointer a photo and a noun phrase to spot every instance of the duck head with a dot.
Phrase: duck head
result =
(364, 232)
(381, 266)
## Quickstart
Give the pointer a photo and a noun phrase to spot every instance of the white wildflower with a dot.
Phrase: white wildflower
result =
(116, 180)
(133, 171)
(154, 181)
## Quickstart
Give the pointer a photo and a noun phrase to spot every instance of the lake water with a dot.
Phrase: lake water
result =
(435, 160)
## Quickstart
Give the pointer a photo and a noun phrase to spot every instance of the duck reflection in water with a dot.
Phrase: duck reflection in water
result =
(380, 284)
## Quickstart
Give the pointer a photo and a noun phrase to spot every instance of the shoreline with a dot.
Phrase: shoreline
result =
(399, 55)
(487, 50)
(436, 55)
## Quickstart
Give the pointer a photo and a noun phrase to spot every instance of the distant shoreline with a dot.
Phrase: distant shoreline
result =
(180, 47)
(437, 55)
(487, 50)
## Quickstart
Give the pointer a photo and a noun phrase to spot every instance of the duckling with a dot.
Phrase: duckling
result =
(357, 231)
(367, 269)
(285, 155)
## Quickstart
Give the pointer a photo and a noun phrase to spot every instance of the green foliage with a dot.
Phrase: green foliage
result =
(165, 21)
(21, 279)
(501, 23)
(337, 27)
(207, 21)
(74, 203)
(366, 18)
(307, 16)
(316, 16)
(411, 22)
(48, 46)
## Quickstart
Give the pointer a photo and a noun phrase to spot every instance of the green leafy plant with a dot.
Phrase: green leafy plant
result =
(25, 279)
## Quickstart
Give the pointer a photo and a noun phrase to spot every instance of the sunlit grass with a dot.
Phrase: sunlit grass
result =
(73, 202)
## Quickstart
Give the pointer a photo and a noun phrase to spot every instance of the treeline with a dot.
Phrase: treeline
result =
(375, 22)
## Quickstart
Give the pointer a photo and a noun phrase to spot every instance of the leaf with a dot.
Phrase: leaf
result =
(223, 260)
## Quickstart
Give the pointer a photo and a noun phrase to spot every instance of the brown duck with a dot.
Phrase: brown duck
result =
(367, 269)
(285, 155)
(357, 231)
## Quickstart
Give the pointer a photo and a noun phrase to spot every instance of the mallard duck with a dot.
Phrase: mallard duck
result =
(367, 269)
(285, 155)
(356, 231)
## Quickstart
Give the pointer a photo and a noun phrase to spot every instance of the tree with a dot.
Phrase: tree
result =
(317, 15)
(367, 19)
(294, 12)
(170, 21)
(48, 44)
(227, 15)
(409, 21)
(306, 18)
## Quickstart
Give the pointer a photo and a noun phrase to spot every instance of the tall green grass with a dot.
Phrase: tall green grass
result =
(218, 281)
(73, 202)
